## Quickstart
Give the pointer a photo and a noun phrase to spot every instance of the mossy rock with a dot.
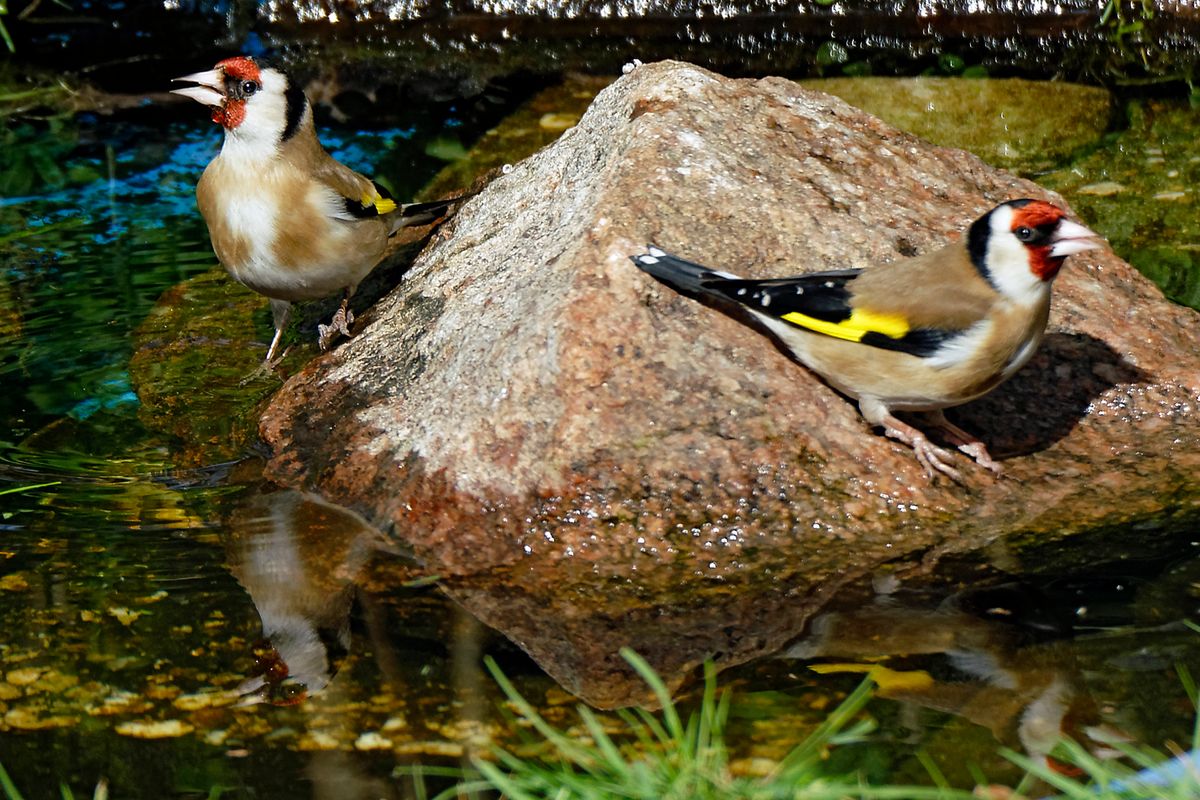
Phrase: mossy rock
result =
(192, 353)
(535, 124)
(1026, 126)
(1138, 190)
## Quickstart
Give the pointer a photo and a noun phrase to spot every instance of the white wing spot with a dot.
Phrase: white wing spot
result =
(647, 259)
(765, 299)
(829, 284)
(799, 290)
(654, 251)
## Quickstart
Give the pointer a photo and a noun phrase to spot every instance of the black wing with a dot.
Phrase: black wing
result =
(818, 302)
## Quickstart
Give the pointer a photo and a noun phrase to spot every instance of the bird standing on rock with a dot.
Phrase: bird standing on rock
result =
(919, 334)
(286, 219)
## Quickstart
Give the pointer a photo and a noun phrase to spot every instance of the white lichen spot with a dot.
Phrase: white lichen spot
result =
(155, 729)
(1102, 189)
(372, 741)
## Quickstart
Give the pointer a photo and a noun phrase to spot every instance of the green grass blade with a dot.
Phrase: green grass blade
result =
(647, 674)
(1069, 786)
(604, 744)
(10, 790)
(932, 769)
(28, 487)
(809, 751)
(501, 781)
(567, 746)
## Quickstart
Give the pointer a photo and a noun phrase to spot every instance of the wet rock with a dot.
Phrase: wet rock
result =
(191, 353)
(591, 460)
(206, 336)
(1016, 124)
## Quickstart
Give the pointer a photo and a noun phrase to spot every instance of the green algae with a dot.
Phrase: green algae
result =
(535, 124)
(1021, 125)
(1139, 191)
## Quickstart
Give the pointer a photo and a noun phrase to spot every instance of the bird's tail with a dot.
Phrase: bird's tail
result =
(414, 215)
(685, 275)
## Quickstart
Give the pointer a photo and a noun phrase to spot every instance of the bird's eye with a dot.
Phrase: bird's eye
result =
(1024, 234)
(249, 88)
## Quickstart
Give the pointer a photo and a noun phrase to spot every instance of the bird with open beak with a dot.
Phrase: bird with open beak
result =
(286, 219)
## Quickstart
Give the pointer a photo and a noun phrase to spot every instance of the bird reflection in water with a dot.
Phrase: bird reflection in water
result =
(298, 557)
(1014, 669)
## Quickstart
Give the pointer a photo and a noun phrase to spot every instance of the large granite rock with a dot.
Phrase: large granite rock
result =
(590, 459)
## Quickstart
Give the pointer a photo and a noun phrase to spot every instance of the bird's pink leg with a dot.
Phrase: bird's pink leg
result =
(340, 323)
(966, 442)
(280, 311)
(929, 455)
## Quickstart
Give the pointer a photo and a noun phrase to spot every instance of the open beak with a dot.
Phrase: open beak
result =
(210, 90)
(249, 692)
(1071, 237)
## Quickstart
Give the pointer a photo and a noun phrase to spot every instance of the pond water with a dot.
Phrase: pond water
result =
(149, 584)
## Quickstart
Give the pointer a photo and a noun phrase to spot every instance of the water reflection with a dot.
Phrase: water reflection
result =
(299, 559)
(1010, 668)
(1023, 661)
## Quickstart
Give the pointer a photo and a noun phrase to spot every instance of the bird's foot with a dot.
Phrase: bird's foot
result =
(266, 368)
(933, 458)
(966, 442)
(339, 324)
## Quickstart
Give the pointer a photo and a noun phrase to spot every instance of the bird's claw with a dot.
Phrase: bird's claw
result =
(979, 452)
(933, 458)
(965, 442)
(266, 368)
(339, 324)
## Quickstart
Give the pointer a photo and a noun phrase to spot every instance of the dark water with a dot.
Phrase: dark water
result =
(137, 583)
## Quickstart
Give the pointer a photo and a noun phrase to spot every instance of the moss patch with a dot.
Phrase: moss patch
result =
(1021, 125)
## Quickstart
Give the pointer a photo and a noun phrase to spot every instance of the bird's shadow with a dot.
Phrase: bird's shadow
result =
(1044, 402)
(1038, 406)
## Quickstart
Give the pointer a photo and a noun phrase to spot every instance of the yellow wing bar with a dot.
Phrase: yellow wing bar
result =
(855, 327)
(381, 204)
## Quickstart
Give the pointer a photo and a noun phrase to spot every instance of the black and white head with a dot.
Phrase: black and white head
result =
(258, 106)
(1019, 246)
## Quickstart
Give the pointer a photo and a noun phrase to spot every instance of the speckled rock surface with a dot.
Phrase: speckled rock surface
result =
(591, 460)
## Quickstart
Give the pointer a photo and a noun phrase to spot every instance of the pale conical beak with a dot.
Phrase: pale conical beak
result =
(210, 92)
(249, 692)
(1071, 237)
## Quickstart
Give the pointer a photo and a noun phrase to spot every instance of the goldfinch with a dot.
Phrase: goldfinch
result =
(919, 334)
(287, 220)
